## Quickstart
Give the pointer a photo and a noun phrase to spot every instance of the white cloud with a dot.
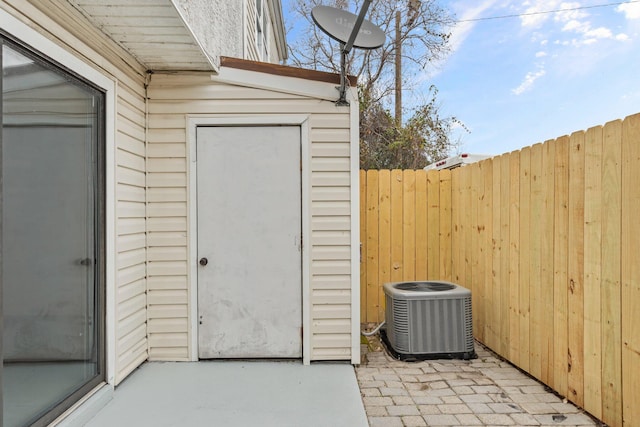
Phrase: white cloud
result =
(541, 54)
(583, 28)
(527, 84)
(577, 26)
(569, 15)
(463, 29)
(622, 37)
(599, 33)
(630, 10)
(532, 20)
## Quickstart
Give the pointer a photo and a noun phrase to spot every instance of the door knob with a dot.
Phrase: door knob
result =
(204, 261)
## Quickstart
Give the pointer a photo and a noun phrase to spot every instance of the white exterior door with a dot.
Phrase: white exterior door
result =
(249, 242)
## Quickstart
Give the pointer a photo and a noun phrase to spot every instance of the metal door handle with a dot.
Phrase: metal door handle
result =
(204, 261)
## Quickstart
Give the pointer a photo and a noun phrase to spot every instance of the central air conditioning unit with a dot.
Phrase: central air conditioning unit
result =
(428, 320)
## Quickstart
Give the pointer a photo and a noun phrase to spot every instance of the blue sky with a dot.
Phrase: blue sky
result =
(521, 80)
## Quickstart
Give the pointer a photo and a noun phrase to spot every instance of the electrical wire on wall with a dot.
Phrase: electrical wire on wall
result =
(374, 331)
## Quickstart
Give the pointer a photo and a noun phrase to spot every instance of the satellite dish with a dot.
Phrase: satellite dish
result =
(351, 31)
(339, 24)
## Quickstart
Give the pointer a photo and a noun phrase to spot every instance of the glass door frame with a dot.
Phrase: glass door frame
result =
(1, 194)
(100, 223)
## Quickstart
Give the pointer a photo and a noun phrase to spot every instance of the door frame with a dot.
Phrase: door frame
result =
(299, 120)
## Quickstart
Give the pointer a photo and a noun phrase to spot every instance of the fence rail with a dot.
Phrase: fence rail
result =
(547, 238)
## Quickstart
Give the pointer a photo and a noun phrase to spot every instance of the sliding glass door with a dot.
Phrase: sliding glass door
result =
(52, 230)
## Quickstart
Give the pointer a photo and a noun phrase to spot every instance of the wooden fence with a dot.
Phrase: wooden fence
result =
(548, 240)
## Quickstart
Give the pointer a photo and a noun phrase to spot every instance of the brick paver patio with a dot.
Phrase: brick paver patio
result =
(486, 391)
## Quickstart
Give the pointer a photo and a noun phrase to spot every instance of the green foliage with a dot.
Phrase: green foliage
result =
(423, 139)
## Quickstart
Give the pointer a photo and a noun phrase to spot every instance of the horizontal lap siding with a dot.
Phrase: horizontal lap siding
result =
(330, 239)
(58, 21)
(171, 99)
(131, 326)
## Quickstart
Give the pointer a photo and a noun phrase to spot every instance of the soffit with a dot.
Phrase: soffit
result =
(153, 31)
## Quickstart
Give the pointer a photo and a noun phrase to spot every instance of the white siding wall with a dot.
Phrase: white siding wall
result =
(59, 22)
(171, 99)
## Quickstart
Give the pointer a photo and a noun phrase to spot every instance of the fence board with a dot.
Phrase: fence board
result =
(496, 304)
(546, 260)
(592, 271)
(409, 225)
(575, 298)
(486, 249)
(514, 258)
(560, 257)
(475, 257)
(445, 226)
(422, 234)
(396, 225)
(611, 271)
(535, 267)
(384, 237)
(457, 256)
(525, 255)
(373, 304)
(503, 283)
(466, 226)
(433, 225)
(630, 268)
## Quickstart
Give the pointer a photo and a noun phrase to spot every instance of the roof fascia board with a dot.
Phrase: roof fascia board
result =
(284, 84)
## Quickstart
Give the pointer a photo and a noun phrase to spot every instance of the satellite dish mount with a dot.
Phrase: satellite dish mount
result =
(350, 31)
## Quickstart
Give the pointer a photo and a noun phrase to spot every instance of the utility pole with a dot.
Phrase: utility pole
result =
(398, 50)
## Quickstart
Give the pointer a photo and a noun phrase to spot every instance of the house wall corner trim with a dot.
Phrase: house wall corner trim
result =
(355, 225)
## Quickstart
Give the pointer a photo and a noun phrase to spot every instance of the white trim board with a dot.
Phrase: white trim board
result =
(301, 120)
(354, 141)
(272, 82)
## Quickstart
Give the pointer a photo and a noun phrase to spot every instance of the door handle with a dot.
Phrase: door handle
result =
(204, 261)
(85, 261)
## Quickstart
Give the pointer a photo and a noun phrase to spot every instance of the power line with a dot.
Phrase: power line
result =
(569, 9)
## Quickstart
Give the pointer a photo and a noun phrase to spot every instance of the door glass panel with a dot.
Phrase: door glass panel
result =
(50, 240)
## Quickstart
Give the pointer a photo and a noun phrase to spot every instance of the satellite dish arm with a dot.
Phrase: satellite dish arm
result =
(342, 101)
(356, 27)
(344, 51)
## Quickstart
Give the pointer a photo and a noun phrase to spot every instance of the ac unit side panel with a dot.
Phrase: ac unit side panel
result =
(437, 326)
(468, 325)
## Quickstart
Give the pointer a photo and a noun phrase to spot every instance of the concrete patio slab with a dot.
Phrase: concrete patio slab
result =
(236, 393)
